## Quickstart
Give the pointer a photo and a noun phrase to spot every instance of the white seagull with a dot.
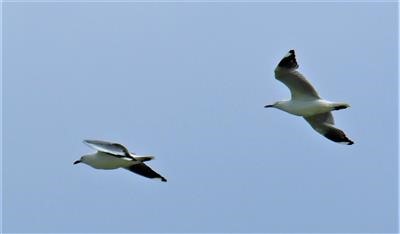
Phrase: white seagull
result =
(306, 102)
(113, 155)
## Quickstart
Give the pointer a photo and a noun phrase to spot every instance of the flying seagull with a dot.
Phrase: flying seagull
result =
(306, 102)
(113, 155)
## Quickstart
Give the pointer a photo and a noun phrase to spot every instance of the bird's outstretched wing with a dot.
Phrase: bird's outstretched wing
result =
(144, 170)
(299, 87)
(109, 147)
(323, 124)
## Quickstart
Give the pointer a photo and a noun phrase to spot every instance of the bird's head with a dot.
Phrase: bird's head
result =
(274, 105)
(83, 159)
(268, 106)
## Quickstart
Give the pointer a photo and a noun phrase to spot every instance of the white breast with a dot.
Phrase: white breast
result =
(102, 160)
(306, 108)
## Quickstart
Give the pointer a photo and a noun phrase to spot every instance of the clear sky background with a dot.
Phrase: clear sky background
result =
(187, 82)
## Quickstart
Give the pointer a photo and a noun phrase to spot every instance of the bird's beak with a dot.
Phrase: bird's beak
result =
(77, 161)
(268, 106)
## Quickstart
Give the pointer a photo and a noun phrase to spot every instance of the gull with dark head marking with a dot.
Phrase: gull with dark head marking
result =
(113, 155)
(306, 102)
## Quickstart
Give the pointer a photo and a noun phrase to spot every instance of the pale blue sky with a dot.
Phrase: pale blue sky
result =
(187, 82)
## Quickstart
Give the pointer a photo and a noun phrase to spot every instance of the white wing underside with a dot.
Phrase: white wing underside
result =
(298, 85)
(324, 124)
(324, 120)
(108, 147)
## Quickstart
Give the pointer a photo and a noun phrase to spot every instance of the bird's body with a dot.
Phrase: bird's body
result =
(306, 101)
(113, 155)
(106, 161)
(308, 108)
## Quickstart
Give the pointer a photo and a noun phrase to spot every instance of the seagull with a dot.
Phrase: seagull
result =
(114, 155)
(306, 102)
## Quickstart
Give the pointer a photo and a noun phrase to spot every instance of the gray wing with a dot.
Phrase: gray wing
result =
(323, 124)
(299, 87)
(108, 147)
(144, 170)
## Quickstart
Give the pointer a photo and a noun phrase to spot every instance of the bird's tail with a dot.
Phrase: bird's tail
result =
(340, 105)
(145, 158)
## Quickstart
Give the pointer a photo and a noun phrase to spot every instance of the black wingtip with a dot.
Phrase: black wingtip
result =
(163, 179)
(289, 61)
(338, 136)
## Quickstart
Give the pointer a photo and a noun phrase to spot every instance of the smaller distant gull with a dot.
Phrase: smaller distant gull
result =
(306, 102)
(113, 155)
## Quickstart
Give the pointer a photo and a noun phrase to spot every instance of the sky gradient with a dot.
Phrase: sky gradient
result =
(187, 82)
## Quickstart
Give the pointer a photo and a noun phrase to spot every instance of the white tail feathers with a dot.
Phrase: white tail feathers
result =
(145, 158)
(340, 105)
